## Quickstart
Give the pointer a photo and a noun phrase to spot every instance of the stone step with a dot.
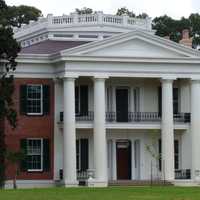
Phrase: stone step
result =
(138, 183)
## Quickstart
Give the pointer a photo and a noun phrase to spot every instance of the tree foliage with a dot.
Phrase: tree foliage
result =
(18, 15)
(15, 158)
(167, 26)
(10, 16)
(84, 11)
(126, 11)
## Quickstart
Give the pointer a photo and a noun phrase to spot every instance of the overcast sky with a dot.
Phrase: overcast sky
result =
(173, 8)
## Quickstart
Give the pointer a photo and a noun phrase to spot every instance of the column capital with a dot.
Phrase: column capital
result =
(96, 77)
(57, 80)
(70, 75)
(195, 80)
(167, 79)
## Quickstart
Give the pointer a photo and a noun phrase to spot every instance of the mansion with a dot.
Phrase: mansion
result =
(102, 99)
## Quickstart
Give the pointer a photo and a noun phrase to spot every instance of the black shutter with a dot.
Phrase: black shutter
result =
(23, 146)
(176, 154)
(46, 99)
(23, 99)
(84, 154)
(175, 100)
(46, 155)
(77, 100)
(160, 101)
(84, 100)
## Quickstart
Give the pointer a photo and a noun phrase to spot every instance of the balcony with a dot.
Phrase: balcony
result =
(131, 117)
(183, 174)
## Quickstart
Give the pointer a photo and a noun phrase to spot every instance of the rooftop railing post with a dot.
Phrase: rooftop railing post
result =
(100, 17)
(50, 19)
(148, 23)
(75, 17)
(125, 20)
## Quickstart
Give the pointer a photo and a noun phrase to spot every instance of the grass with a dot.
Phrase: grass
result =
(115, 193)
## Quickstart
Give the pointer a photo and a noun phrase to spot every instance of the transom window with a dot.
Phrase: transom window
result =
(34, 154)
(34, 99)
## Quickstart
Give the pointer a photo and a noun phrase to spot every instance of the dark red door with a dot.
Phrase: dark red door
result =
(123, 160)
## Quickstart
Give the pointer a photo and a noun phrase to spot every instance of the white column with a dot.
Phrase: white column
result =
(167, 132)
(58, 148)
(69, 134)
(114, 169)
(100, 144)
(195, 128)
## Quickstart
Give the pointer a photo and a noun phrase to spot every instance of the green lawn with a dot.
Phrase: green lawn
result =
(115, 193)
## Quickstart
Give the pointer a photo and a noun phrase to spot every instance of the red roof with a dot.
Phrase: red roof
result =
(50, 47)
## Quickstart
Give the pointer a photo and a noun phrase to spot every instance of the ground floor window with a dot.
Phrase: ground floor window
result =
(82, 154)
(34, 154)
(37, 154)
(176, 154)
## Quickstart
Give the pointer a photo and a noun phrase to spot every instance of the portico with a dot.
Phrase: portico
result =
(102, 130)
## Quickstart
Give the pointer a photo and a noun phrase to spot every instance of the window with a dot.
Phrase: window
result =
(175, 101)
(34, 99)
(34, 154)
(176, 154)
(136, 99)
(81, 100)
(37, 151)
(82, 153)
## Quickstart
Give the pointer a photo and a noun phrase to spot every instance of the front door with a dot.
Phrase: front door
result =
(123, 160)
(122, 105)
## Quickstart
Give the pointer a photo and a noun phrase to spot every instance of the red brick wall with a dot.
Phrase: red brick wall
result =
(31, 127)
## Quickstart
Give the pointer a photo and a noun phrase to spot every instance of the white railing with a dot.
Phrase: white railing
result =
(97, 18)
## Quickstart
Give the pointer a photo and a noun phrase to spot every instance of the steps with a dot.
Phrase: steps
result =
(138, 183)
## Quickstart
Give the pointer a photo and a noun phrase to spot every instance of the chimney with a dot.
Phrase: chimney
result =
(185, 34)
(186, 40)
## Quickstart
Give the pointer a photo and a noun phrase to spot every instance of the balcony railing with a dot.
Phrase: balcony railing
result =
(131, 117)
(183, 174)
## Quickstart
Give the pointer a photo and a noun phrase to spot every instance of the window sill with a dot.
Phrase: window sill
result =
(34, 170)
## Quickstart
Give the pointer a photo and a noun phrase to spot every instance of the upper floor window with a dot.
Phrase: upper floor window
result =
(81, 100)
(34, 99)
(175, 101)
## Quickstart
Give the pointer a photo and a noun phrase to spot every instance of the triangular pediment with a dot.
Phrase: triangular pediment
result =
(134, 44)
(135, 48)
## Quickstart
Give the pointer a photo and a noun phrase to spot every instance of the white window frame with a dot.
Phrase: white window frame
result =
(41, 140)
(41, 99)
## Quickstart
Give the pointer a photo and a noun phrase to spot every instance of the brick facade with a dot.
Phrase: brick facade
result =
(31, 127)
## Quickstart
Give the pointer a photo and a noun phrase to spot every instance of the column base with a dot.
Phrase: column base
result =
(70, 183)
(96, 183)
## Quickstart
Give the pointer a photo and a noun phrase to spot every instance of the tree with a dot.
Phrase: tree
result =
(126, 11)
(15, 158)
(9, 49)
(195, 28)
(18, 15)
(84, 11)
